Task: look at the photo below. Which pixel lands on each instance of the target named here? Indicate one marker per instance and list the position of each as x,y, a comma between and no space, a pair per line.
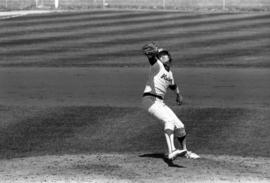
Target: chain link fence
138,4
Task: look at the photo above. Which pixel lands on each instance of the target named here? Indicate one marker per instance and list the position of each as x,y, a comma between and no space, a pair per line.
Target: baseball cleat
191,155
175,153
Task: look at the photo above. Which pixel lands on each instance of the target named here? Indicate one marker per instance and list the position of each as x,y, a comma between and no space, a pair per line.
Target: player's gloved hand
150,49
179,99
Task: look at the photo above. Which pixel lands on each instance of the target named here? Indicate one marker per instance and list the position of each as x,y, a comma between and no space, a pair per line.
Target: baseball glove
150,49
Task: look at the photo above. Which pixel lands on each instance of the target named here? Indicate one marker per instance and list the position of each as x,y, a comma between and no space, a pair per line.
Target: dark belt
153,95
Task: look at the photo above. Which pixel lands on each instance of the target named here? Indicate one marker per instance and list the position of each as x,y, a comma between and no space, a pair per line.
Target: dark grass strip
77,18
229,54
219,41
51,16
172,22
75,36
183,60
89,22
196,43
216,41
78,24
75,129
121,20
94,16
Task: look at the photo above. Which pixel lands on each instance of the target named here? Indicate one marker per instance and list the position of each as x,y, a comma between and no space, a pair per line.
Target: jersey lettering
158,80
164,76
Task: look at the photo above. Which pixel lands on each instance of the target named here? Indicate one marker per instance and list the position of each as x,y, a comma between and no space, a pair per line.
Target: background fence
160,4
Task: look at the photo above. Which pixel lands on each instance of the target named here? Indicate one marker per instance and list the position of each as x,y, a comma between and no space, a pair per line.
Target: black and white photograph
134,91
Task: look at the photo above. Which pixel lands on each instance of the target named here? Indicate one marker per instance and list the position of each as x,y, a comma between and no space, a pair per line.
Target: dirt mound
136,167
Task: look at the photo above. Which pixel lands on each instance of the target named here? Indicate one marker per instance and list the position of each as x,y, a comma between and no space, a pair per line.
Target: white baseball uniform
159,80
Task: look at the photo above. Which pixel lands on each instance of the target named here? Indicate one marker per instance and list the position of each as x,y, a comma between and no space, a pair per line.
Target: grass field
71,86
114,38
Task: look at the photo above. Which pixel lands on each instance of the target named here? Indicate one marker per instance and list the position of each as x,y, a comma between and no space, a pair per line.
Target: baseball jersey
159,79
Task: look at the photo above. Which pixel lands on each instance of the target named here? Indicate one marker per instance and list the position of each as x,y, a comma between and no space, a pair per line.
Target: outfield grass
113,38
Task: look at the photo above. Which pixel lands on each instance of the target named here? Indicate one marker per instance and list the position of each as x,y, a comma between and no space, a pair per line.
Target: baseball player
160,78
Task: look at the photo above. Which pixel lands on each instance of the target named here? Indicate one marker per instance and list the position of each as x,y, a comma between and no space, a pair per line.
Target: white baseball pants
162,112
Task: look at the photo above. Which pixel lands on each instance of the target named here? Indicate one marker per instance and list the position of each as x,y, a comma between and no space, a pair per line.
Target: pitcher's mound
137,167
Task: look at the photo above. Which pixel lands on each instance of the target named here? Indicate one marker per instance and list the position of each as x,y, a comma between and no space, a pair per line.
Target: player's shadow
162,156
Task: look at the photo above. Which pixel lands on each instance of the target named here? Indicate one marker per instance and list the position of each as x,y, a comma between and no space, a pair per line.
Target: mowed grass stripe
201,54
191,34
131,29
74,19
228,58
187,59
222,40
187,41
187,38
72,25
191,54
110,22
183,42
231,50
258,59
57,16
212,45
150,19
247,58
60,17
